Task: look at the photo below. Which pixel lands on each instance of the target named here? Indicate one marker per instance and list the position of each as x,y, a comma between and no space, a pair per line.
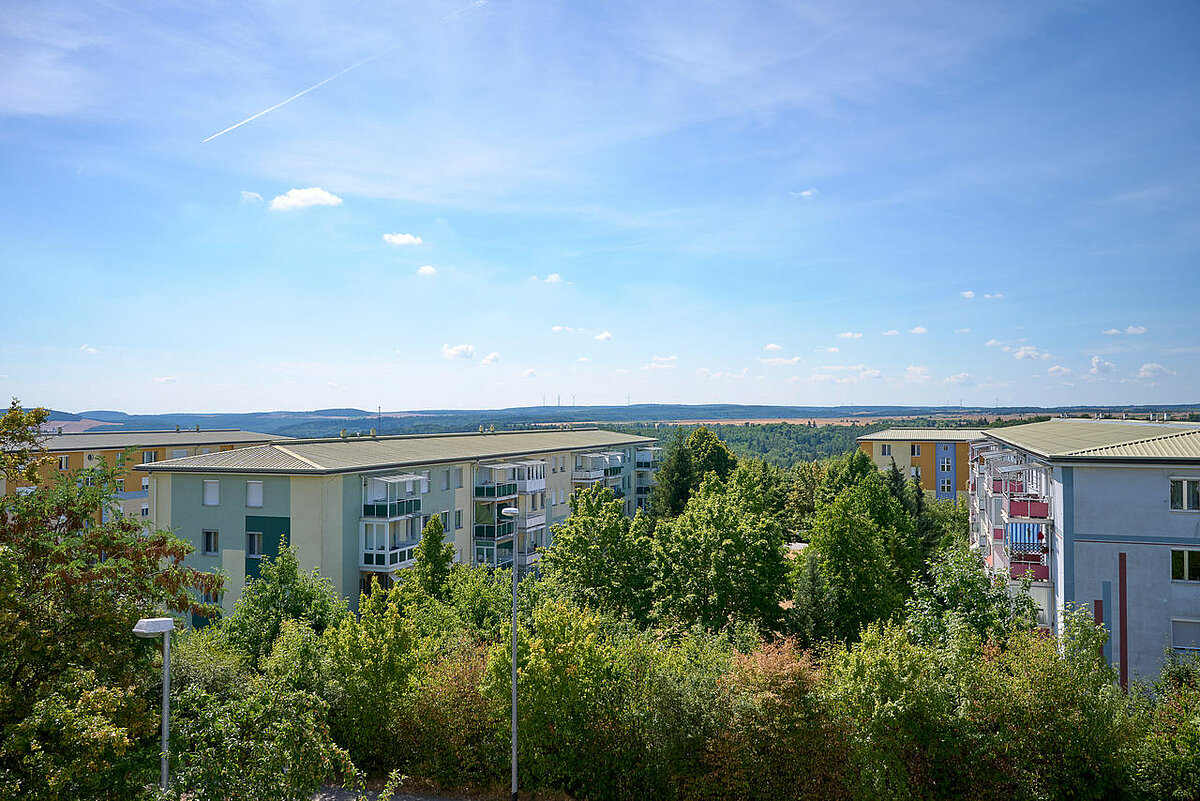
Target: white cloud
959,379
658,366
670,358
622,371
403,239
826,350
303,198
918,373
552,278
779,361
1132,330
1100,366
1058,370
427,269
251,197
1029,352
603,336
844,367
463,351
491,358
530,373
861,373
962,330
918,329
850,335
166,379
1154,370
994,296
772,346
968,294
707,373
86,348
891,332
993,343
805,193
582,359
823,378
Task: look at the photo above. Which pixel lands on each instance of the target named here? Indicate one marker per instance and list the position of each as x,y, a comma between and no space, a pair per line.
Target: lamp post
152,627
511,512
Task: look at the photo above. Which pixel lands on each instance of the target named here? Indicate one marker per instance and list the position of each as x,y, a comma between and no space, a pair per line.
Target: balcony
494,531
533,520
587,476
496,491
391,510
643,491
1030,507
529,486
384,561
612,471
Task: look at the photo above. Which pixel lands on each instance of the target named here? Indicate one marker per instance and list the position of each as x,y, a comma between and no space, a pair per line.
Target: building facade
71,452
1102,516
355,507
938,457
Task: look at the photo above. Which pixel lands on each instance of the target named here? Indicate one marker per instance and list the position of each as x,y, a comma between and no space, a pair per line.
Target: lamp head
510,511
154,626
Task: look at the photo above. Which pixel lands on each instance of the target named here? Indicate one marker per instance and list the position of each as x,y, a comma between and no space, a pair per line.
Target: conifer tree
433,559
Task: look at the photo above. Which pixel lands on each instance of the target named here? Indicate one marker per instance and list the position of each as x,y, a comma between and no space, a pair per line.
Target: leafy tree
721,561
433,560
21,452
847,471
599,559
77,717
673,481
710,454
804,481
482,599
282,592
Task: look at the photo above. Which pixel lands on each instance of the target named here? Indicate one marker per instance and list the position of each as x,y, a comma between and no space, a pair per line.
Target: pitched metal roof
355,454
923,435
1104,439
119,440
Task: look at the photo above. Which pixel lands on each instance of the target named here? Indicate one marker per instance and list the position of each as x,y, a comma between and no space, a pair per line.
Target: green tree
721,561
21,452
600,559
282,592
674,480
710,455
77,715
803,483
847,471
431,569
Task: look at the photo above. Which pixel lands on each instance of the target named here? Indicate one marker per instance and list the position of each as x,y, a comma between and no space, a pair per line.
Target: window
1185,635
145,510
885,449
458,478
944,465
212,542
446,521
145,483
210,598
915,471
1185,565
457,519
947,486
64,463
205,451
254,494
254,544
179,453
212,493
915,449
1185,494
148,456
446,479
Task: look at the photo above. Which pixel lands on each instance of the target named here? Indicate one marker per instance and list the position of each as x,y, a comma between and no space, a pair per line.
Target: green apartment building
354,507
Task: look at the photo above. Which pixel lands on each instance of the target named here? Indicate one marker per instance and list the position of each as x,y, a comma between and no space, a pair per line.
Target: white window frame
458,478
204,542
1185,481
885,449
914,449
915,471
945,464
148,456
145,483
947,485
254,538
145,510
204,495
259,485
179,453
64,462
1176,646
458,521
1187,559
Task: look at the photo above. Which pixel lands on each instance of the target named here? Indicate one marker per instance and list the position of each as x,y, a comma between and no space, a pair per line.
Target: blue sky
745,202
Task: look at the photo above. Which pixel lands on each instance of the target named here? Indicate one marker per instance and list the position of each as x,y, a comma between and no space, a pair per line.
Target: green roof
355,454
924,435
1104,440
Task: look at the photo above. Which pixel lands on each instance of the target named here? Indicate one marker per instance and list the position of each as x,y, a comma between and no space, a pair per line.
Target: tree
282,592
844,472
434,558
720,562
710,454
804,482
77,715
673,481
599,559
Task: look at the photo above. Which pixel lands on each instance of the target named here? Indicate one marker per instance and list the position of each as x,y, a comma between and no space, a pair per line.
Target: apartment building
70,452
1100,515
938,457
355,507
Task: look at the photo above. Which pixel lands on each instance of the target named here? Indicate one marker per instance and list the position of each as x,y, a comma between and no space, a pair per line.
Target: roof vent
197,428
343,434
373,432
176,428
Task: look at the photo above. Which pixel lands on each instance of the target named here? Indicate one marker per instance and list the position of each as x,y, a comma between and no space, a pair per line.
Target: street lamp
152,627
511,512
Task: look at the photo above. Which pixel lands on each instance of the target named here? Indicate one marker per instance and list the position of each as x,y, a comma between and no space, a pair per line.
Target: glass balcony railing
385,509
391,558
612,471
492,531
501,490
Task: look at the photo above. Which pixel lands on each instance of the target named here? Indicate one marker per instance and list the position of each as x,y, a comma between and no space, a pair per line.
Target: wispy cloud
463,351
670,358
994,295
88,349
1058,371
304,198
917,373
960,380
582,359
491,358
850,335
1133,330
166,379
772,346
729,374
918,329
251,197
603,336
552,278
1029,352
1154,370
962,330
993,343
891,332
564,329
830,349
530,373
779,361
968,294
1100,366
658,366
427,269
805,193
403,239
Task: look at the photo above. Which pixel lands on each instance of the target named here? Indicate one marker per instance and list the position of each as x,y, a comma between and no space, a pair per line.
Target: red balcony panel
998,533
1036,572
1029,508
1039,509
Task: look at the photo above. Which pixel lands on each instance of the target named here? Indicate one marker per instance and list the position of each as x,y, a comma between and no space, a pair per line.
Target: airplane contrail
319,84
